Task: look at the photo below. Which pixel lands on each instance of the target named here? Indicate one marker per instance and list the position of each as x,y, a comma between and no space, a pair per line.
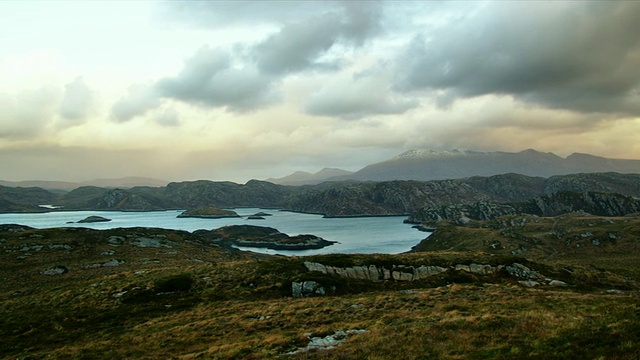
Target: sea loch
362,235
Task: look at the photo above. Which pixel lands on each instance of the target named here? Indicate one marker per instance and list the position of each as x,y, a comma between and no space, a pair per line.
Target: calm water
355,235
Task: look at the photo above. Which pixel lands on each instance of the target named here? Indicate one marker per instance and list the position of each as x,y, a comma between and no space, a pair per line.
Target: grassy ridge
172,296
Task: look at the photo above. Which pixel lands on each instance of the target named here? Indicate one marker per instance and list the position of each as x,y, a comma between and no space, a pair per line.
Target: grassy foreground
172,296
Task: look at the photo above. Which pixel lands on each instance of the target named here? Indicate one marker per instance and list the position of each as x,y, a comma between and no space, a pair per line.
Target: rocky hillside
409,197
329,198
227,194
383,198
604,241
18,199
558,203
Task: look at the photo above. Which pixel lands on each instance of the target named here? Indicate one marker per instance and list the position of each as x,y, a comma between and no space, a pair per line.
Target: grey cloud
248,79
210,79
77,102
138,100
580,56
298,45
358,97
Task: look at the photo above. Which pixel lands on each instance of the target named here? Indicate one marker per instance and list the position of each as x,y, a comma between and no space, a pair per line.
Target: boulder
306,288
56,270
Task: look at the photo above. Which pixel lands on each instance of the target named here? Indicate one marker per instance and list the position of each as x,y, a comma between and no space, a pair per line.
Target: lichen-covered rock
307,288
480,269
520,271
56,270
110,263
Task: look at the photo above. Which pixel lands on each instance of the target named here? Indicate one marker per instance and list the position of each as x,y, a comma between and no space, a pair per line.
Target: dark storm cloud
209,78
77,103
582,56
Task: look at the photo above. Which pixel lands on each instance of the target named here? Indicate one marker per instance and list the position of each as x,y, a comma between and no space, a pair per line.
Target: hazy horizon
177,90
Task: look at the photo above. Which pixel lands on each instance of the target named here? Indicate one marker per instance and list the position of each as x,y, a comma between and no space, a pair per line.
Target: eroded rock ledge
412,273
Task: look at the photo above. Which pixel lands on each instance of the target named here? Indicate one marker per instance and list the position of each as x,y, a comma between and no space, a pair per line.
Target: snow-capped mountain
425,165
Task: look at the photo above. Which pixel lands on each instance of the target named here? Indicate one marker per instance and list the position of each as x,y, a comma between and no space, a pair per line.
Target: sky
186,90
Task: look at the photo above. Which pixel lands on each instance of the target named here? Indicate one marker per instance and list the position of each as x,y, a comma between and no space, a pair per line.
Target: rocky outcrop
306,289
508,188
377,273
595,203
525,275
110,263
327,342
461,214
56,270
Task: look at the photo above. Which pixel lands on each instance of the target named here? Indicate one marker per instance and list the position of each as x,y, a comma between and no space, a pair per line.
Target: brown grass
231,305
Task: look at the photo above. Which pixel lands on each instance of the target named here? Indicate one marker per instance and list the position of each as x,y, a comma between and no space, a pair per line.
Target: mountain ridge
306,178
426,165
123,182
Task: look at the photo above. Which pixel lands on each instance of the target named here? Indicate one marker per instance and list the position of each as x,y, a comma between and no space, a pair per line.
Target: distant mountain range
426,165
611,194
306,178
125,182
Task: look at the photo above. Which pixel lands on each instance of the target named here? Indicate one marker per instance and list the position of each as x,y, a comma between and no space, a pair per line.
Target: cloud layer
268,87
575,56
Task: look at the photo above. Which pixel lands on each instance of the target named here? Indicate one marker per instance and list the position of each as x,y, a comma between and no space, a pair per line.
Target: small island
261,214
208,212
93,219
262,237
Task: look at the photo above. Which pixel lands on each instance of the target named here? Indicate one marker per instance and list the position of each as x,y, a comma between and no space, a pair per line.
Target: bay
358,235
